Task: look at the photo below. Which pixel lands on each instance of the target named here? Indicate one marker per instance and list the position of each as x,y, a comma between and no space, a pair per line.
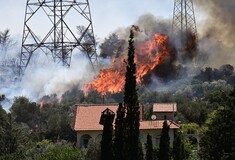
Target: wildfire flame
41,104
148,55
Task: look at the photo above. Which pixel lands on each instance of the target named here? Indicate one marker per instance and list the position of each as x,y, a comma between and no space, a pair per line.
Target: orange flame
148,55
41,104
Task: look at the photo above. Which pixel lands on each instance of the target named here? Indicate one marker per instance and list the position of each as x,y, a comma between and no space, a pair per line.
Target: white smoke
51,78
45,77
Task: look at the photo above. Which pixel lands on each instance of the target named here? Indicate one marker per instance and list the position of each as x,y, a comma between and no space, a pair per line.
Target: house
165,110
87,118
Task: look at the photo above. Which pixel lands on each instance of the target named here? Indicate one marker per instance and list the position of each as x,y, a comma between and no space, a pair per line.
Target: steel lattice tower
49,26
184,20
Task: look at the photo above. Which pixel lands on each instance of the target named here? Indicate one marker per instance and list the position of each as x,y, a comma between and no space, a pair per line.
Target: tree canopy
218,134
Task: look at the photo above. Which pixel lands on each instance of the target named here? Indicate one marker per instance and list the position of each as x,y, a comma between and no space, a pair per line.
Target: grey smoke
220,21
215,23
149,25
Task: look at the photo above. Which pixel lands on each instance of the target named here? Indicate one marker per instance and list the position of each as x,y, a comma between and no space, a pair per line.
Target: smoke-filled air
215,30
160,65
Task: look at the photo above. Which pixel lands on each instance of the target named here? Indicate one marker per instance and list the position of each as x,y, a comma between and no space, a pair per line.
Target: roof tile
164,107
87,118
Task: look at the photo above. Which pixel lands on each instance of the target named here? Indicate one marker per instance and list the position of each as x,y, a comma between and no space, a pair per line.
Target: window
85,140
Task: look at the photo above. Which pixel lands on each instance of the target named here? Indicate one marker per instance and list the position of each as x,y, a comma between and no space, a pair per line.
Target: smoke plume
220,22
49,78
149,25
216,40
44,77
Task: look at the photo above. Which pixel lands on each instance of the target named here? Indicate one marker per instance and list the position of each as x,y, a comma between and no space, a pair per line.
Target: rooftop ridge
166,103
106,104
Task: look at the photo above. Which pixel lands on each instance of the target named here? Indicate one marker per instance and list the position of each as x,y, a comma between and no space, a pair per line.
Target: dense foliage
178,151
218,135
27,123
45,150
112,46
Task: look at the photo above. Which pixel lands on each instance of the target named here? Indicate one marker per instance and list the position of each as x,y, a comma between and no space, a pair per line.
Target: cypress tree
119,135
164,152
149,148
106,143
140,152
132,105
178,152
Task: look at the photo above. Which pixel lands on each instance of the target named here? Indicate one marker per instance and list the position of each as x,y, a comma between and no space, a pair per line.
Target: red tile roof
164,107
87,118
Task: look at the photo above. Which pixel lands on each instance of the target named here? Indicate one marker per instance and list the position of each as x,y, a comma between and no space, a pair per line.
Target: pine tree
106,143
132,105
164,152
119,135
149,148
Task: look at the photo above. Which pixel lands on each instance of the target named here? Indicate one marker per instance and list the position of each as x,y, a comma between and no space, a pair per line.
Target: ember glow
148,55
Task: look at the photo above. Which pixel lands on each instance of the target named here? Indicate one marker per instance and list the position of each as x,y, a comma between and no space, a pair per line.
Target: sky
107,15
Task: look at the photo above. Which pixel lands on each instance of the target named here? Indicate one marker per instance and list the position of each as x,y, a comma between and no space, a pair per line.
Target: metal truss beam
60,40
184,19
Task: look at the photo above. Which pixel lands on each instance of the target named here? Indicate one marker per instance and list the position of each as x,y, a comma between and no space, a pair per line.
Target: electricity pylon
184,24
56,28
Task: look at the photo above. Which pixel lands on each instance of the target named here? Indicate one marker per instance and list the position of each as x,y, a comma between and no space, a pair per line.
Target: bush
45,150
59,152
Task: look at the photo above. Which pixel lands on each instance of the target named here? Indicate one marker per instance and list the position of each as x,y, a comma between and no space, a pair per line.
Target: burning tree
155,56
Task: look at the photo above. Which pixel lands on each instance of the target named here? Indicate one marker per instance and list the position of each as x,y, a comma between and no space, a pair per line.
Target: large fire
148,55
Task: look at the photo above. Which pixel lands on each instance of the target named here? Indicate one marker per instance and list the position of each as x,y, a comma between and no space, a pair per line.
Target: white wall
156,134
